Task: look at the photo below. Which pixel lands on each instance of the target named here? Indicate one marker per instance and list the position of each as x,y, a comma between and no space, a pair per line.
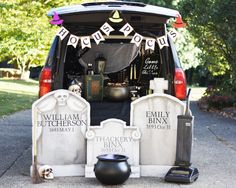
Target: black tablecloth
104,110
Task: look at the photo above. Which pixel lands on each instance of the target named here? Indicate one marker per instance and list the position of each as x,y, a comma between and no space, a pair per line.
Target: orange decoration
179,23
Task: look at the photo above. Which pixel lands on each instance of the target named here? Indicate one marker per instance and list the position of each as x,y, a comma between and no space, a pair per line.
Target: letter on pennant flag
150,44
162,41
106,28
173,34
85,42
137,39
62,33
97,36
126,29
73,40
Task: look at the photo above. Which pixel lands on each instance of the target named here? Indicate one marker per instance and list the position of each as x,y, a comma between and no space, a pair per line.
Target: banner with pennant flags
73,40
98,37
62,33
150,44
162,41
85,42
106,28
126,29
173,34
137,39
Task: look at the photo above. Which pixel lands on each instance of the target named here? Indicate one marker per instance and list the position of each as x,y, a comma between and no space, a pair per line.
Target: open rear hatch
127,68
86,18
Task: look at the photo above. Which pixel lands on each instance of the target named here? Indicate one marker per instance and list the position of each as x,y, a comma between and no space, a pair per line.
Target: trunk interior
113,73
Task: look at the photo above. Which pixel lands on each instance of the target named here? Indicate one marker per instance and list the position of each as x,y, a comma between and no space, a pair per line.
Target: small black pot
116,93
112,169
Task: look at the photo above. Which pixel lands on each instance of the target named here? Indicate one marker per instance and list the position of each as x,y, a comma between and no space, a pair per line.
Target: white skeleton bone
61,97
76,88
46,172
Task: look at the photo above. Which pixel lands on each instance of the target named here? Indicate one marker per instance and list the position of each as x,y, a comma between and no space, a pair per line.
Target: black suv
115,71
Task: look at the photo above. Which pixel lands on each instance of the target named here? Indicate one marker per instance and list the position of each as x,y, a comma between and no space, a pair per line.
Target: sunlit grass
16,95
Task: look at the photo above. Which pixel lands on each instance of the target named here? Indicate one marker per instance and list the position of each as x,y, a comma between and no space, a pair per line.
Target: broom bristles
36,179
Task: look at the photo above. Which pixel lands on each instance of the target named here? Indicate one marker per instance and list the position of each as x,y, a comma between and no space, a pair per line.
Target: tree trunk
24,68
25,75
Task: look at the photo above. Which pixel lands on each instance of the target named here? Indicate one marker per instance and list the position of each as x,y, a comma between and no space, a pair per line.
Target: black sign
150,68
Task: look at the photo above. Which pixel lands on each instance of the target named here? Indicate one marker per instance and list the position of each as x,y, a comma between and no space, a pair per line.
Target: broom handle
34,135
187,102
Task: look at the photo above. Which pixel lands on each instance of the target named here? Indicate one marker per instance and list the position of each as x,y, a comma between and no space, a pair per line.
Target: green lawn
16,95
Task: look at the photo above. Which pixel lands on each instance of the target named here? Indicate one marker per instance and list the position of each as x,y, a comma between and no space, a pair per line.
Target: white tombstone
158,85
60,120
113,137
156,117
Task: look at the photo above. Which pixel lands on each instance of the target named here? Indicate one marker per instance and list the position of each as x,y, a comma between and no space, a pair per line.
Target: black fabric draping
118,56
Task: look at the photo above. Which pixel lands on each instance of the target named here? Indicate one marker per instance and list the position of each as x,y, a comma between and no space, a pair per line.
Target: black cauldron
112,169
116,93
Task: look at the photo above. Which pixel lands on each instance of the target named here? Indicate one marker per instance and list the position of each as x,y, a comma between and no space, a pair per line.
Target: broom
36,179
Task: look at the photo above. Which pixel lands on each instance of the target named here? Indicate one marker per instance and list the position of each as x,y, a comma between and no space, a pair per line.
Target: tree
186,48
166,3
212,24
26,34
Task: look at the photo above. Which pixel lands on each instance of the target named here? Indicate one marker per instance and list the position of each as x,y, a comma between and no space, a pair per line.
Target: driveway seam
13,163
222,140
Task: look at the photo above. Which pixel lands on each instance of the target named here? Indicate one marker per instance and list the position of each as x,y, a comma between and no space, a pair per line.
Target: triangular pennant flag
62,33
106,28
173,34
85,42
150,44
97,36
162,41
126,29
137,39
73,40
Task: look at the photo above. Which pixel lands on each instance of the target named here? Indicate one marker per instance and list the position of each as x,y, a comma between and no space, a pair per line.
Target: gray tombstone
156,117
113,137
60,121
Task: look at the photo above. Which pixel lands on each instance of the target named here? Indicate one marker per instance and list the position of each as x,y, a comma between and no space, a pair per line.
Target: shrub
218,99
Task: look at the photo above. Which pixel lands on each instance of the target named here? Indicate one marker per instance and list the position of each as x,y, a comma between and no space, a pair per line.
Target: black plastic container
112,169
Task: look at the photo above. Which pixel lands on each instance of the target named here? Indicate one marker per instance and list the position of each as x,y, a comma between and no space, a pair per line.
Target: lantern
100,63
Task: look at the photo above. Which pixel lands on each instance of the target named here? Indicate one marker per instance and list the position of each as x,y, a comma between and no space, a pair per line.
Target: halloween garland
106,28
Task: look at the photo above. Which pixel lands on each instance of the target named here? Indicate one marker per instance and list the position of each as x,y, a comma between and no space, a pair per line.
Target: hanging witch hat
56,19
179,22
116,17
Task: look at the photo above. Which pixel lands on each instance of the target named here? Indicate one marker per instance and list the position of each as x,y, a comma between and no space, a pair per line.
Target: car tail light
45,81
180,84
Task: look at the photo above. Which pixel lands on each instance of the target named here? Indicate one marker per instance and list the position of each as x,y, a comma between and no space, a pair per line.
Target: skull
46,172
76,88
61,97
